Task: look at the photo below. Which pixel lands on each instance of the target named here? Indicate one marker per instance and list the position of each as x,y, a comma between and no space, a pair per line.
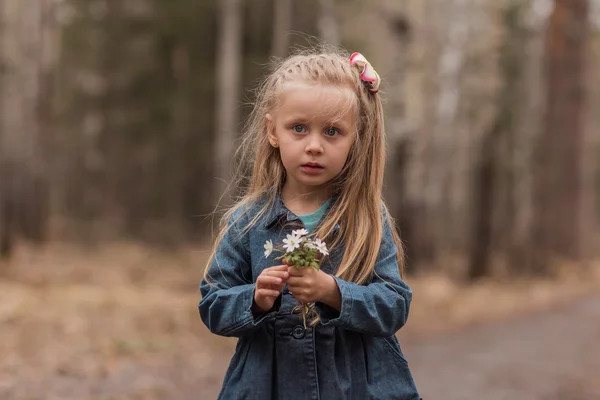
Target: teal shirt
311,220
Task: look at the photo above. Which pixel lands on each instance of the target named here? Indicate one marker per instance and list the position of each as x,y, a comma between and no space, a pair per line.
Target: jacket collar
277,211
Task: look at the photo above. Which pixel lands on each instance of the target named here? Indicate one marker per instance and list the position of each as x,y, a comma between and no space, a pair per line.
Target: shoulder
238,216
246,215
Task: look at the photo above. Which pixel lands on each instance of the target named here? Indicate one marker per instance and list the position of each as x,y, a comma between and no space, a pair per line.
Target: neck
304,201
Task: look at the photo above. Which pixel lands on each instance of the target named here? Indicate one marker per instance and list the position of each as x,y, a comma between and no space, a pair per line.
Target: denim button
298,332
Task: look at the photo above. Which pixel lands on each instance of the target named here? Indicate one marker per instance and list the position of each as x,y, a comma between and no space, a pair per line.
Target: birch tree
327,23
282,25
228,89
445,130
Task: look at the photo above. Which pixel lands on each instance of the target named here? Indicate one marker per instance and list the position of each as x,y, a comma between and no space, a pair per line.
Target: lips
312,165
312,168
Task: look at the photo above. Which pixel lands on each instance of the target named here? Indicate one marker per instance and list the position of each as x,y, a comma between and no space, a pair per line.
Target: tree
282,25
23,179
489,184
327,23
228,93
564,205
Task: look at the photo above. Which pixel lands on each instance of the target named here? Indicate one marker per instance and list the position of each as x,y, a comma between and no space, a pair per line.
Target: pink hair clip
368,74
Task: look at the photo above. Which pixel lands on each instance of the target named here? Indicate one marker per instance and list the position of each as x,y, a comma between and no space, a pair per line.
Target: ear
271,130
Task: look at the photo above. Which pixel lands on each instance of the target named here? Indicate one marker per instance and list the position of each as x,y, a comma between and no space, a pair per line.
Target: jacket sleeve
228,288
379,308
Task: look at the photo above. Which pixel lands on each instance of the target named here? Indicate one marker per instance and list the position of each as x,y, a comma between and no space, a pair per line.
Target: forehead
317,101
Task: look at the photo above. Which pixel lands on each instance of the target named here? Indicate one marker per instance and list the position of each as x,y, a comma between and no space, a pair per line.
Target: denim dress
352,354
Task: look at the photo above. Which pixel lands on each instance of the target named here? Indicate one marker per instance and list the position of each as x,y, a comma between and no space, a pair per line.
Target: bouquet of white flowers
300,251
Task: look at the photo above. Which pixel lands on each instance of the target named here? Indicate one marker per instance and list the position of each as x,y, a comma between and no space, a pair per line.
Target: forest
119,122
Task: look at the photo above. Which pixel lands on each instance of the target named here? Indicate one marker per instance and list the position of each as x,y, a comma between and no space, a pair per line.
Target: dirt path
117,324
549,355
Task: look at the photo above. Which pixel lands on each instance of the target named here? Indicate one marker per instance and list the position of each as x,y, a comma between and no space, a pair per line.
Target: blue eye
332,132
298,128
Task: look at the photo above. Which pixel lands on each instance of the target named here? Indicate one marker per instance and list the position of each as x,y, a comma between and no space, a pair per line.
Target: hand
309,285
269,286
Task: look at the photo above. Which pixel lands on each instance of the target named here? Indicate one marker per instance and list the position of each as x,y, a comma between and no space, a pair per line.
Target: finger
298,294
277,268
294,281
280,285
277,287
264,280
298,297
282,276
278,274
267,293
295,272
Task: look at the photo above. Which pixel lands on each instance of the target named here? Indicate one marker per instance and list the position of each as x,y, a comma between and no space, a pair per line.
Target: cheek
286,155
344,153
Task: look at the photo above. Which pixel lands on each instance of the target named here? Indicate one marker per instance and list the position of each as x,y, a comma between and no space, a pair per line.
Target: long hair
357,211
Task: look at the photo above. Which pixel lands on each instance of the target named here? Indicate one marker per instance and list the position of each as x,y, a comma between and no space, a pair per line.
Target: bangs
345,101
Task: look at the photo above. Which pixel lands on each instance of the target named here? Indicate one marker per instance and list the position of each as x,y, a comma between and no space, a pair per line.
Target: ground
120,322
549,355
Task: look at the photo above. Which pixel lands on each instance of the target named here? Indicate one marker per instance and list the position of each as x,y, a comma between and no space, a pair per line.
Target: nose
314,145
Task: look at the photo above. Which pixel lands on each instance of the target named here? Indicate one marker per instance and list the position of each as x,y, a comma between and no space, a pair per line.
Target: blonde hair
357,211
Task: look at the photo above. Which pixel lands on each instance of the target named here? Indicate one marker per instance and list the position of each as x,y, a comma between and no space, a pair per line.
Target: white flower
320,245
268,248
308,244
292,242
300,232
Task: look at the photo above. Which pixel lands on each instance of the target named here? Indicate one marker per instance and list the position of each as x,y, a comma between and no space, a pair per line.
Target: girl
316,143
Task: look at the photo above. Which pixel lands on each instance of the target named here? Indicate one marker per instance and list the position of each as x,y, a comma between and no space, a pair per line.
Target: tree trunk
525,136
484,188
561,207
417,225
23,180
446,129
488,184
327,24
398,31
282,25
228,93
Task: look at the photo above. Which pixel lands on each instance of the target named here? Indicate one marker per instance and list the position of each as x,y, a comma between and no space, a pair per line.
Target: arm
228,289
379,308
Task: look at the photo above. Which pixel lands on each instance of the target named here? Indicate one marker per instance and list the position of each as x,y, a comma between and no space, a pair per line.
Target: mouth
312,167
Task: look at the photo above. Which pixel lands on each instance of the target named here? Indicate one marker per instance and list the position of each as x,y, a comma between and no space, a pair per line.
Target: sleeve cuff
330,316
257,318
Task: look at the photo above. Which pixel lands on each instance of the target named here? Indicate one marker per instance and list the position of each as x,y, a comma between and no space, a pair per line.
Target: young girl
316,143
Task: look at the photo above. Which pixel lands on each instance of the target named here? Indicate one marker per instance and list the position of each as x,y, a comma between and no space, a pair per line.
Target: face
314,127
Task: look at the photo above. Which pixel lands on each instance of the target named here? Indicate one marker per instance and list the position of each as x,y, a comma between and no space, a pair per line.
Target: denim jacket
352,354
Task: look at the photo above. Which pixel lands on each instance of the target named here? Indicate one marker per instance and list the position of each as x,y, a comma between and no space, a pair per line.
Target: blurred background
118,126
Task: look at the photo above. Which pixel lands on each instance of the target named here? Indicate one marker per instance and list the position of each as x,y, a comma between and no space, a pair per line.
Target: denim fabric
352,354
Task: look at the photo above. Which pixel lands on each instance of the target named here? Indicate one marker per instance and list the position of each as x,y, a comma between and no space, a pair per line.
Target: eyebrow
305,119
